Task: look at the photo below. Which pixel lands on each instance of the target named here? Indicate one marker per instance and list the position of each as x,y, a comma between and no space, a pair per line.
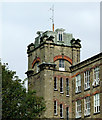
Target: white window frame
55,83
61,85
55,107
61,110
60,36
78,83
86,80
96,79
78,109
87,106
62,65
67,87
96,103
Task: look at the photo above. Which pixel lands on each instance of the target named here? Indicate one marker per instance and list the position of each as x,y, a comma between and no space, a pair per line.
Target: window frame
55,107
96,79
61,85
61,64
86,80
78,84
67,113
97,103
78,106
61,110
55,83
60,36
87,106
67,87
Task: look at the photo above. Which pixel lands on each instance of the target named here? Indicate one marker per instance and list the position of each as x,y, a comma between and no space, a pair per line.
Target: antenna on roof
52,18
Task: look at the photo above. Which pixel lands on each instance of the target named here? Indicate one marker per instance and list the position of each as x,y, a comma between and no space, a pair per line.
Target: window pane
78,108
78,83
55,107
96,76
67,113
96,103
61,63
59,37
61,84
87,79
67,86
55,83
61,110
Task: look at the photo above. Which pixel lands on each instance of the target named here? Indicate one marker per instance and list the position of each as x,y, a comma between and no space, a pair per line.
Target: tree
16,102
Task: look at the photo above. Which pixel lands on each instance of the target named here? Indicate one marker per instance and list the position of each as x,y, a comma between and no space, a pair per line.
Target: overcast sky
21,21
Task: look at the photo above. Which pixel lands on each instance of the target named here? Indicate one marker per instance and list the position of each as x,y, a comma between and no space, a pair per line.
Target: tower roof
60,37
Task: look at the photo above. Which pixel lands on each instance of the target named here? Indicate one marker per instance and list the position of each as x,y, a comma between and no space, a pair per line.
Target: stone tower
49,60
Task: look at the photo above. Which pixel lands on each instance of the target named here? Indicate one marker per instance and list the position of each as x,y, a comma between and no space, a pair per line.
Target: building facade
87,87
70,88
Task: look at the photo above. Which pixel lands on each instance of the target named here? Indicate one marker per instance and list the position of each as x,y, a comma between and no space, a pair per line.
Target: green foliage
16,102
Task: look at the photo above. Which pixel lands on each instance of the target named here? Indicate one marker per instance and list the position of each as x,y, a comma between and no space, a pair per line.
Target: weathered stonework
80,68
43,67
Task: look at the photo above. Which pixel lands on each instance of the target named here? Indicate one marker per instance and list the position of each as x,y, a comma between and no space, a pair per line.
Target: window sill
87,115
78,118
67,95
86,89
56,114
60,41
77,92
61,69
96,86
61,117
96,113
62,92
55,89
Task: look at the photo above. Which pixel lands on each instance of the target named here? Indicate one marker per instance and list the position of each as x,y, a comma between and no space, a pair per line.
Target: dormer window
60,36
60,33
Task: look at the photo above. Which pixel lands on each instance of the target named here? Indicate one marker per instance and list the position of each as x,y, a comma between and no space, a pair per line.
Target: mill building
71,89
